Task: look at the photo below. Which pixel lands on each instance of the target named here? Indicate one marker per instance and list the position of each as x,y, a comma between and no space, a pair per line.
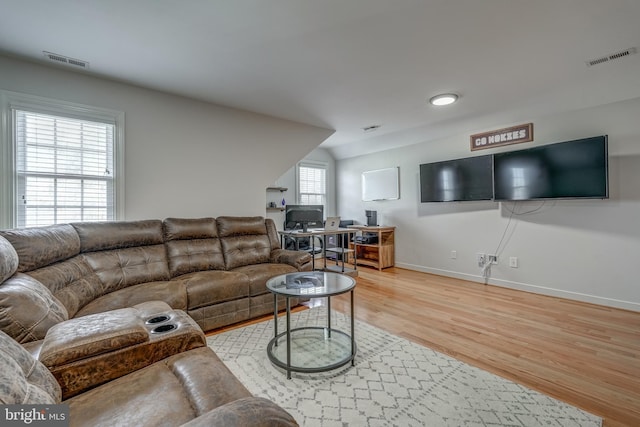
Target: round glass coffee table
310,348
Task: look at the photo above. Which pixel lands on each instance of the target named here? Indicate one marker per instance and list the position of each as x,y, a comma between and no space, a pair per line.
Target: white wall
182,157
581,249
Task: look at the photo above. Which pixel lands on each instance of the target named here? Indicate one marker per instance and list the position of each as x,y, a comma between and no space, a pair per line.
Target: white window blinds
64,169
312,184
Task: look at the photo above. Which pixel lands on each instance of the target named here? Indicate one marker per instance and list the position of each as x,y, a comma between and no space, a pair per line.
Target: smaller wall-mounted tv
457,180
565,170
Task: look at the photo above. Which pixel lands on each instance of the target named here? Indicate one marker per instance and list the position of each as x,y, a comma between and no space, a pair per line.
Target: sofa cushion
192,245
258,274
28,309
8,259
101,236
245,250
120,268
241,226
170,392
213,287
173,293
244,241
38,247
22,378
189,228
72,282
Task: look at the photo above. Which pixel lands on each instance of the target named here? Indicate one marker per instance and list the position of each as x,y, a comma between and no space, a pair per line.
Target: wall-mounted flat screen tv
565,170
457,180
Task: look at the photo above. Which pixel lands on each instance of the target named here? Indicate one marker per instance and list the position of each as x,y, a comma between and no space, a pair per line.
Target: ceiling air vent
61,59
617,55
371,128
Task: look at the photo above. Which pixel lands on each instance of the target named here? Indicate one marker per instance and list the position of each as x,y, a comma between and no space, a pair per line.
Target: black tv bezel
473,158
315,224
605,141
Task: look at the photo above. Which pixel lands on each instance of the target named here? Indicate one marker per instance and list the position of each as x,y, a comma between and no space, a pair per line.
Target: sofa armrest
89,336
250,411
88,351
298,259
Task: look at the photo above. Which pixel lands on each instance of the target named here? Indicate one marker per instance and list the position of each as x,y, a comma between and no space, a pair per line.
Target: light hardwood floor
583,354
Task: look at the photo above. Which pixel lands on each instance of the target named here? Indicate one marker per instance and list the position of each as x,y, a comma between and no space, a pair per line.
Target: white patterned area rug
394,383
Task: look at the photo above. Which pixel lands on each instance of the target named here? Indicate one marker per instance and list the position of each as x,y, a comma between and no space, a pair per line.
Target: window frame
10,101
316,165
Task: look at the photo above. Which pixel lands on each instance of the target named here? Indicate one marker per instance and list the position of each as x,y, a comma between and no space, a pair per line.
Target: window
312,184
64,163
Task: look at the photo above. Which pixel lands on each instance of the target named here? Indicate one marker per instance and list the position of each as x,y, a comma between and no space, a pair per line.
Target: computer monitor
304,216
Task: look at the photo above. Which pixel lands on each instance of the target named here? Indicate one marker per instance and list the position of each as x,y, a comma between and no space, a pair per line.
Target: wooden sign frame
500,137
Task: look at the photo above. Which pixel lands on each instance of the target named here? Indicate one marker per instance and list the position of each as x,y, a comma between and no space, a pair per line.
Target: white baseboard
543,290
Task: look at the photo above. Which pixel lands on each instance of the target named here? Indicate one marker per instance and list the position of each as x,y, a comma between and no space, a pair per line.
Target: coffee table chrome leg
275,318
329,317
288,338
353,335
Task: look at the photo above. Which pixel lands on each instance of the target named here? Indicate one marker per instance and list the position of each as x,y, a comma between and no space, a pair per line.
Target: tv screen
456,180
565,170
304,216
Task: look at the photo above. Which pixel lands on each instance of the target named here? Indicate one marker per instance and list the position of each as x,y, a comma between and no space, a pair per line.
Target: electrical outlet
481,258
513,262
454,254
492,258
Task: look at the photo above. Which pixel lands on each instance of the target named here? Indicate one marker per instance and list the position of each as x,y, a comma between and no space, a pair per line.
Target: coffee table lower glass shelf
313,349
310,348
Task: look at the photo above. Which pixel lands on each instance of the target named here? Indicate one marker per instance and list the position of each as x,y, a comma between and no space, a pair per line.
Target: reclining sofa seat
193,388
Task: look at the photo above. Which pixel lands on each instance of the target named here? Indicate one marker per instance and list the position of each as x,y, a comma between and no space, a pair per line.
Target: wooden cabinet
380,254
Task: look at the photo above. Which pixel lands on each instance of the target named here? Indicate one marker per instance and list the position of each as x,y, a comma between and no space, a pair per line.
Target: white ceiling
348,64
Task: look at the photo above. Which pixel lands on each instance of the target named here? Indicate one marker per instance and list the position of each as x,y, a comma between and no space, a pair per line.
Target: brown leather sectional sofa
116,310
214,269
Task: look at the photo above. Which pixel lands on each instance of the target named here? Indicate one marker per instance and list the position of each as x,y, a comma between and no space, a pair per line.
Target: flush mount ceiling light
444,99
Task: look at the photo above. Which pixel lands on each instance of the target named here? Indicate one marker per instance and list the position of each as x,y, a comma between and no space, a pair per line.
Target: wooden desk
378,255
